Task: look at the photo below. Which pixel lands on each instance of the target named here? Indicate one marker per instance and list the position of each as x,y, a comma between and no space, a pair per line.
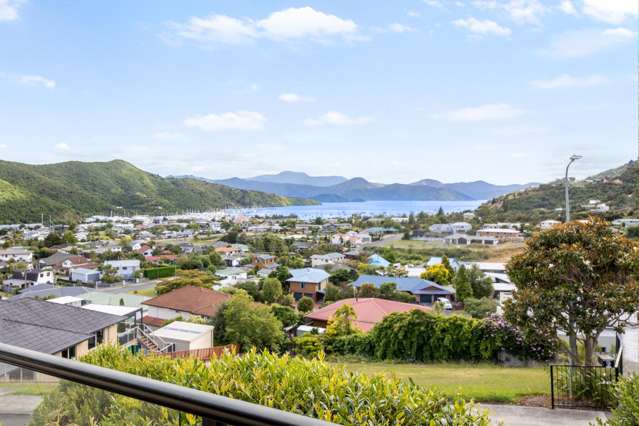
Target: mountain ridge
66,191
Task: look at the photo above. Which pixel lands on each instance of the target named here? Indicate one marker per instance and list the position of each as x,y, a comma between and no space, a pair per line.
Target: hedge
159,272
627,411
309,387
425,337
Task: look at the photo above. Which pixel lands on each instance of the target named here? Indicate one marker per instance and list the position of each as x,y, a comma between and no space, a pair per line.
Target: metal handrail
213,408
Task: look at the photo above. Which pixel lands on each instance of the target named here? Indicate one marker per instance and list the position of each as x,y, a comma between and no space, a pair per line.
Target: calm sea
366,208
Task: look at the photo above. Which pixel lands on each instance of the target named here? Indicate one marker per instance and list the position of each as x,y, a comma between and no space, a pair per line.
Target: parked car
445,303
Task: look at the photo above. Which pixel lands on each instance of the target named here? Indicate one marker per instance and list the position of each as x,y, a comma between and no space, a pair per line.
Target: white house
84,275
16,254
441,228
124,268
548,224
626,222
231,276
326,259
186,336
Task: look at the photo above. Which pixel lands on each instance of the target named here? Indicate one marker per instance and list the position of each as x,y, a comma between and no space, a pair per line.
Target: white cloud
485,27
36,80
287,24
488,112
62,147
240,120
569,81
400,28
434,3
568,7
3,146
292,98
574,44
9,10
413,14
520,11
334,118
168,136
611,11
295,23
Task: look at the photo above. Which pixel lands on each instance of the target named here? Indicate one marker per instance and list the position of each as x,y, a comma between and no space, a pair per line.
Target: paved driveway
15,410
515,415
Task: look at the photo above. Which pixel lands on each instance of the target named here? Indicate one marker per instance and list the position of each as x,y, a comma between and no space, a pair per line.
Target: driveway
15,410
516,415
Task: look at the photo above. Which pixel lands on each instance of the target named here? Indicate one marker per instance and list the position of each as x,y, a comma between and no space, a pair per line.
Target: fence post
552,388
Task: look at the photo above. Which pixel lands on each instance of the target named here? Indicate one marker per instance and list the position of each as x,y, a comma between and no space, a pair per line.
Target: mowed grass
31,389
481,382
149,292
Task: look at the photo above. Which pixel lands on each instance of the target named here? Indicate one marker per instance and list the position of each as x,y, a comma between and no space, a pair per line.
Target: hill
73,189
616,187
300,178
359,189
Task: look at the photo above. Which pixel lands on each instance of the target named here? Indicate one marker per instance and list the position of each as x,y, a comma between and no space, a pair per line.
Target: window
92,342
99,337
68,353
301,285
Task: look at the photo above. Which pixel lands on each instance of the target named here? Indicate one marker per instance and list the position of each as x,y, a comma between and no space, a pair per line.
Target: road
118,288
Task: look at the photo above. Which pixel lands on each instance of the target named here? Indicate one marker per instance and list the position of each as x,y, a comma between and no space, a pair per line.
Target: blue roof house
425,292
377,260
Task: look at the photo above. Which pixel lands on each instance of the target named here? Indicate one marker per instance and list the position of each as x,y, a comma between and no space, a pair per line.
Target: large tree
576,278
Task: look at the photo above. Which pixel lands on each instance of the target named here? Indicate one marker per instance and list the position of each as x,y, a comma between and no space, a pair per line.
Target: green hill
74,189
617,187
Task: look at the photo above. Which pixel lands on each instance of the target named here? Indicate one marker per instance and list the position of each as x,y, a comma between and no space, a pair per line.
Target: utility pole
573,158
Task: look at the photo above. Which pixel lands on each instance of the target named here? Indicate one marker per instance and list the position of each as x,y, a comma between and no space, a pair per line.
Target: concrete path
516,415
16,410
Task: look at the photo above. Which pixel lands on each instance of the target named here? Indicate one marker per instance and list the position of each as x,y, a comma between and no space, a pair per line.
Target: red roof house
368,311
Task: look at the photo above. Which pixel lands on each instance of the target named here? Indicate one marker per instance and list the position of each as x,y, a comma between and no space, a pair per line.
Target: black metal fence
575,386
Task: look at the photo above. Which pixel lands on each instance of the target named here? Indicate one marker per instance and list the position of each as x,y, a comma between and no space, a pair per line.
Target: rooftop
191,299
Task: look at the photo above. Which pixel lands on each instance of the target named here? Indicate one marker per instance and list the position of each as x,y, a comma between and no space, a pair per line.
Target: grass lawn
499,253
149,292
481,382
28,388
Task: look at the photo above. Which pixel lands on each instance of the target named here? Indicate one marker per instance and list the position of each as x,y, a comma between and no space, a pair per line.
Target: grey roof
52,315
38,338
308,275
55,258
47,290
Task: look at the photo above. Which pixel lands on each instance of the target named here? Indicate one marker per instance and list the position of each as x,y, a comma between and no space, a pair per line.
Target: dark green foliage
309,387
633,232
353,344
160,272
481,284
627,397
287,315
342,276
480,308
68,191
461,282
305,304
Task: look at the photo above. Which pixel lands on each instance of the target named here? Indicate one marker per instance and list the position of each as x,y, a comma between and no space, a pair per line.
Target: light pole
573,158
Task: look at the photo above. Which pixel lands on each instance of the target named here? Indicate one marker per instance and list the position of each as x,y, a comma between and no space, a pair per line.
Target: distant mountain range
341,189
617,187
67,191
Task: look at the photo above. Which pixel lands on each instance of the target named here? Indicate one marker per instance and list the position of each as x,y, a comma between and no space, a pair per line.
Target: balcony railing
213,409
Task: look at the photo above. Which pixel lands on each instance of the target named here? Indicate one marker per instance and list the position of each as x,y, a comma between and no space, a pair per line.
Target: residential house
16,254
378,261
368,312
62,262
125,269
66,331
326,259
626,222
85,275
437,260
47,291
183,302
630,342
502,234
186,336
464,239
425,292
231,276
309,282
263,260
548,224
145,250
24,279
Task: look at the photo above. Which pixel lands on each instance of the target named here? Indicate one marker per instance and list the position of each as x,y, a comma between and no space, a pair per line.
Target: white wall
631,349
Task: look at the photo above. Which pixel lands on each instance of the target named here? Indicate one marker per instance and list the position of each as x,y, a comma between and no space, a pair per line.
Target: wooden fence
202,354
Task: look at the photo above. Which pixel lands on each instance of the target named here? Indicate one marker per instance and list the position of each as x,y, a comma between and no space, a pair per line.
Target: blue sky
500,90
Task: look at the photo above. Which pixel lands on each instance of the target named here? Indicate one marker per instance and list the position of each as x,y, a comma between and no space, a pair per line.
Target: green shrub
308,345
352,344
308,387
159,272
480,308
627,411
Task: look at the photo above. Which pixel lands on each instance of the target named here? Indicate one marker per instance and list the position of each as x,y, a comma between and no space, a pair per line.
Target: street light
573,158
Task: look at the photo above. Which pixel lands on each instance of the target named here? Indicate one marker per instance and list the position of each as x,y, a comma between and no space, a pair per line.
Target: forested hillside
73,189
617,187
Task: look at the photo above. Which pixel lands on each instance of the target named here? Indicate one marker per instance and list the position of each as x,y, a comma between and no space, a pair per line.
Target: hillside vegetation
617,188
67,191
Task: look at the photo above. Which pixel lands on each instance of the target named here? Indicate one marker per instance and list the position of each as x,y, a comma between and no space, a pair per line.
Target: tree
53,239
480,308
447,265
331,293
461,282
340,324
633,232
368,290
387,290
251,288
251,324
287,315
185,278
577,278
305,305
481,284
271,290
69,237
342,276
437,273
